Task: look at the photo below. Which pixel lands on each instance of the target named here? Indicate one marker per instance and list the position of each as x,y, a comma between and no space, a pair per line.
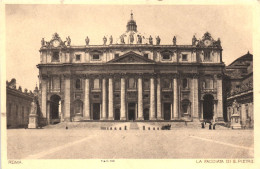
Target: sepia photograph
129,81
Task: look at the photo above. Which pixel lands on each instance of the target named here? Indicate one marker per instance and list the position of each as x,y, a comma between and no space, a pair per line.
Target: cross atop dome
131,24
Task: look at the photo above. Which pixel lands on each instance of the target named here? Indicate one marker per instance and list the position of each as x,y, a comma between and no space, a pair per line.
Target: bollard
125,128
143,127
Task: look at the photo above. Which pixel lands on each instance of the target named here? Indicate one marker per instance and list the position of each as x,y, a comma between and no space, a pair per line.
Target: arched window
96,84
131,83
185,83
78,86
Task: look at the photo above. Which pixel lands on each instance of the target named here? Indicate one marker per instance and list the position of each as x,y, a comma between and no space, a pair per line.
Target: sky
26,25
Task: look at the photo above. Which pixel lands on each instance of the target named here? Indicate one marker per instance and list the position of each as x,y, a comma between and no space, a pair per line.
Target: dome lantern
131,24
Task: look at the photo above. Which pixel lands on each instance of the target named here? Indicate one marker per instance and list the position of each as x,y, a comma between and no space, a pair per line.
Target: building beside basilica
239,87
133,78
18,105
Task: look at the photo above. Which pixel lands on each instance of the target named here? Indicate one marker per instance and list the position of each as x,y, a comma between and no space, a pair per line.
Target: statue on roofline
104,40
111,40
158,40
150,40
174,40
68,40
87,40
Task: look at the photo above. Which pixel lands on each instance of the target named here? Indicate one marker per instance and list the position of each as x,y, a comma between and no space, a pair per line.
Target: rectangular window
207,56
166,57
96,84
77,57
96,57
184,57
146,55
55,57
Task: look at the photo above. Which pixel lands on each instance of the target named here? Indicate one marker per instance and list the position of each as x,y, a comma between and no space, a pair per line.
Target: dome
132,36
131,24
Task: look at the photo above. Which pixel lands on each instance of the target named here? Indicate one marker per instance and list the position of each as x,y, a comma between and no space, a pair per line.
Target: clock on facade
55,43
207,42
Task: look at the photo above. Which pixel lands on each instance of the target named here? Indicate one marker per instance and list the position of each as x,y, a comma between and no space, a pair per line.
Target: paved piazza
53,143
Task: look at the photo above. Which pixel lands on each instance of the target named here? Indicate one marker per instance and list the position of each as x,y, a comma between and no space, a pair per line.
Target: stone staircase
131,125
134,126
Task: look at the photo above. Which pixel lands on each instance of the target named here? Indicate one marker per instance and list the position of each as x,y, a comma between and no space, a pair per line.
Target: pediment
131,57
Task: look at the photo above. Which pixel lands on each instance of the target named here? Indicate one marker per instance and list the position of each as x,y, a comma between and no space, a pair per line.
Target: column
175,100
215,116
152,99
201,110
48,112
67,98
104,99
220,100
122,100
87,101
110,99
159,102
44,98
140,99
195,99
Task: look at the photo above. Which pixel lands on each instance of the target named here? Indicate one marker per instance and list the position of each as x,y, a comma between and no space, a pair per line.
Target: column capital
67,75
44,76
219,76
176,76
196,75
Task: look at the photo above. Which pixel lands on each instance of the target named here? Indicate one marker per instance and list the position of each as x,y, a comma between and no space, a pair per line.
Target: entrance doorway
55,109
167,111
117,114
96,111
208,106
131,111
146,114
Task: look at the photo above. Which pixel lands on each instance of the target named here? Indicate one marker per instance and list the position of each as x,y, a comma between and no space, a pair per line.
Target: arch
146,114
55,108
208,107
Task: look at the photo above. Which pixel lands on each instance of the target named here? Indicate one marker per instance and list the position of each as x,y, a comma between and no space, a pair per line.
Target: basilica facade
132,77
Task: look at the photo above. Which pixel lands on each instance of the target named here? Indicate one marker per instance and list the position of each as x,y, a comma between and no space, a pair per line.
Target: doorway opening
167,111
117,114
55,109
146,114
131,111
96,111
208,106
